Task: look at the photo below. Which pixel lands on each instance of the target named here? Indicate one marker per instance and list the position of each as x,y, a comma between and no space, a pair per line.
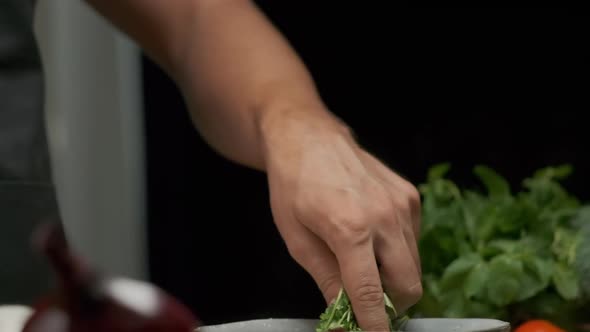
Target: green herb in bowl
339,315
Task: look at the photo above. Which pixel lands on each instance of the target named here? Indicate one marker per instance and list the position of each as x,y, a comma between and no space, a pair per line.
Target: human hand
345,217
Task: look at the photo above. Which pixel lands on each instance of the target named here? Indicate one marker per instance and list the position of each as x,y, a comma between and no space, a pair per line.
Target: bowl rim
500,326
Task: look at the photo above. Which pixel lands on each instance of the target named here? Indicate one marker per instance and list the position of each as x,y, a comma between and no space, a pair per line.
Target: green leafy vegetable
566,282
497,186
582,261
501,253
339,315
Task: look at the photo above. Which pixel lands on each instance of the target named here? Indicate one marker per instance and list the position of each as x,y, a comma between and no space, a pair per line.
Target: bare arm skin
339,209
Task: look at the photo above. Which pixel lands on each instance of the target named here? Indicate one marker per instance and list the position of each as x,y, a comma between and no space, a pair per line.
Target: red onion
88,302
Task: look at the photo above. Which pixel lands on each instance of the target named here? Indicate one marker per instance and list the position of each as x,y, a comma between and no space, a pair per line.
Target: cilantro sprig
339,315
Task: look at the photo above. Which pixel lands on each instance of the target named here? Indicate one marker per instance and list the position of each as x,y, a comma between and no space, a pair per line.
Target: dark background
506,87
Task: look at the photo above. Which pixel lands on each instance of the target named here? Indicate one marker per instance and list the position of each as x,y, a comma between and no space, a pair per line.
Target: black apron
26,192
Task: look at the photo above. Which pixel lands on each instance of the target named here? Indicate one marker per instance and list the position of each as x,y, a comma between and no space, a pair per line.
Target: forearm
239,76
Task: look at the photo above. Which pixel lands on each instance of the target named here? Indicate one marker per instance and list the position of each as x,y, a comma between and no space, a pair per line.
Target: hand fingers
413,203
413,247
319,261
362,283
313,255
408,207
401,187
401,276
404,216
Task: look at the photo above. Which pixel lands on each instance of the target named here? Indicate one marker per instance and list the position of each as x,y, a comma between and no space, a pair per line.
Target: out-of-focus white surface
94,122
139,296
13,317
413,325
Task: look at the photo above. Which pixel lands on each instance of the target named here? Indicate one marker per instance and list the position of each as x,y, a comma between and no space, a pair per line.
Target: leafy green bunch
339,315
504,255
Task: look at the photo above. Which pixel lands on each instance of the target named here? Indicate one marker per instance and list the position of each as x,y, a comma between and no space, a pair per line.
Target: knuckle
417,291
302,206
298,251
414,293
415,208
330,284
414,196
402,209
383,209
354,232
350,227
406,297
380,207
369,295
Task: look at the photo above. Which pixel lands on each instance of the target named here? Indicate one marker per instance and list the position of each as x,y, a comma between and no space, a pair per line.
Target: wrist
285,130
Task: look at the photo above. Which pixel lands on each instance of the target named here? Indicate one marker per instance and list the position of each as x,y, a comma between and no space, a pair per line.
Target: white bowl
413,325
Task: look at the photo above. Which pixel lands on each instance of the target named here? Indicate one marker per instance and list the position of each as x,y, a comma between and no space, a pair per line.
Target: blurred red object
87,302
